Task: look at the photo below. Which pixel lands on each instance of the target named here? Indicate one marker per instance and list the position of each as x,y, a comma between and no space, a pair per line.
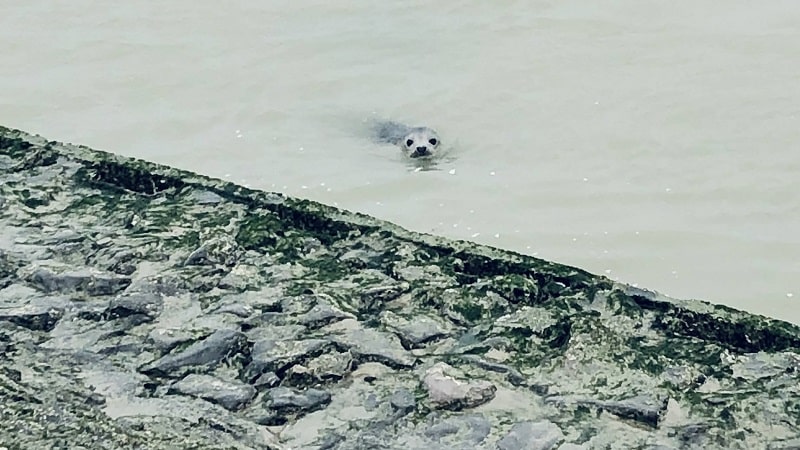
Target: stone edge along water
147,307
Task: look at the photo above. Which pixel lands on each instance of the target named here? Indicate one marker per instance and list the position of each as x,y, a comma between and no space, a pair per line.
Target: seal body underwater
416,142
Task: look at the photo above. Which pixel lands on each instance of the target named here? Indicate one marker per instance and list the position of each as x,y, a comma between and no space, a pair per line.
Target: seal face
421,141
416,142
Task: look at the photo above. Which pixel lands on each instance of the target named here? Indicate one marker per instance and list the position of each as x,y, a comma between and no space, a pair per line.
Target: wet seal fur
416,142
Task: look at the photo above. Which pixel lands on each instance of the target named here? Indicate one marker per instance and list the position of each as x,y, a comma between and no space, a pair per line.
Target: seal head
421,142
416,142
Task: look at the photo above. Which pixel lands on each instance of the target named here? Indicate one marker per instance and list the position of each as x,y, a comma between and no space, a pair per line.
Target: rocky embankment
146,307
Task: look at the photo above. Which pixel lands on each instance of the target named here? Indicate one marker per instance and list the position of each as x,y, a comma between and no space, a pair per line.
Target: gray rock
265,299
162,283
330,441
544,435
63,236
8,269
204,197
468,309
282,404
91,281
415,331
277,356
230,395
240,278
439,430
218,248
42,315
478,428
403,400
371,403
682,377
571,446
327,367
269,379
527,318
695,435
446,392
165,339
218,347
367,344
198,257
121,261
298,305
645,409
322,314
276,333
374,298
789,444
513,375
146,304
361,258
460,430
265,322
286,399
235,309
756,366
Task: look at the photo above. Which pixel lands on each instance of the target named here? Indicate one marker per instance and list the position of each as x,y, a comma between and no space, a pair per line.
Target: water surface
653,143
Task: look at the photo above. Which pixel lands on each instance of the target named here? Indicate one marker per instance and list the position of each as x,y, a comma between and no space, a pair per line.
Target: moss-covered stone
86,233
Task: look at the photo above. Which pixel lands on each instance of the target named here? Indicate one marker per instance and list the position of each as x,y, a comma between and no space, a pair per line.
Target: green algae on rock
146,307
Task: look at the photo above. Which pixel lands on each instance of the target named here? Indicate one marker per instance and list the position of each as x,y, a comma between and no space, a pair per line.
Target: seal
416,142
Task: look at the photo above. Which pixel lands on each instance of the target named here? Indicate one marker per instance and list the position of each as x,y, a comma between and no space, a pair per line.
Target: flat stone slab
270,355
282,404
417,331
447,392
542,435
67,280
207,353
42,316
148,304
228,394
368,344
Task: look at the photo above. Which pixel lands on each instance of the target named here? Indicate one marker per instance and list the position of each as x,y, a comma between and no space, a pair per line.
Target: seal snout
421,151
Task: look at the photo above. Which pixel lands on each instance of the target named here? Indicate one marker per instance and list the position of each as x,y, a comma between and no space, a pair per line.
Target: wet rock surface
205,354
230,395
445,391
146,304
367,344
146,307
543,435
403,400
282,404
270,355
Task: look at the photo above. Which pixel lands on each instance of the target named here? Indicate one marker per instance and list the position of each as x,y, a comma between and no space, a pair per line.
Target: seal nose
420,151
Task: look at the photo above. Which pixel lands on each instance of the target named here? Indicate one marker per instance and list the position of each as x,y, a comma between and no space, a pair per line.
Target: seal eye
409,142
433,141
